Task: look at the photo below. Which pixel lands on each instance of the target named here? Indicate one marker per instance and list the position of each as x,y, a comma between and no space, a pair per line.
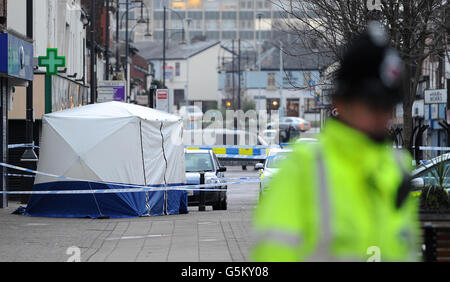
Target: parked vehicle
198,161
270,167
298,124
290,128
306,140
428,173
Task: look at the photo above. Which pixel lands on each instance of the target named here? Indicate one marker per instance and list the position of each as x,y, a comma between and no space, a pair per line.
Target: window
177,69
431,176
310,104
274,160
212,24
260,4
196,162
306,78
229,24
270,80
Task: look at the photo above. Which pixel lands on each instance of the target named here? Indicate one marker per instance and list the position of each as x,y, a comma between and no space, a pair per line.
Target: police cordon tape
15,146
218,179
137,187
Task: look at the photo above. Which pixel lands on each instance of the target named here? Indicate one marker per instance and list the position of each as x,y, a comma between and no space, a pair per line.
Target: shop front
16,69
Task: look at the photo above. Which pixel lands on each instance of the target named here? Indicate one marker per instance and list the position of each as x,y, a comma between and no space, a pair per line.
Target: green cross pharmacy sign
52,61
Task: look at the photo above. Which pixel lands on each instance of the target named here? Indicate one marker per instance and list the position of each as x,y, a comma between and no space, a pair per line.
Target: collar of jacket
351,143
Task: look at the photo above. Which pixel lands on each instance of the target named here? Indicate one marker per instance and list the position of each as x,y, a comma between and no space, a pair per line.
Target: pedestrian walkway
197,236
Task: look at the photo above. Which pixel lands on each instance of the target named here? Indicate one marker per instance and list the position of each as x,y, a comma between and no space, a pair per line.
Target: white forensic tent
110,142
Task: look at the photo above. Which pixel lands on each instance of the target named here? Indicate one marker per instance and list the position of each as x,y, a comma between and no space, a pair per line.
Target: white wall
16,18
203,75
57,25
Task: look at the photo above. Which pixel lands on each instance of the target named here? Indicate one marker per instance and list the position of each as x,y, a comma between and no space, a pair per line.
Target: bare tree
417,29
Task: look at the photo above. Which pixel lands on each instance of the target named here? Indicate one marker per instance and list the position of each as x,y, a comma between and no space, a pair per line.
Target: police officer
347,197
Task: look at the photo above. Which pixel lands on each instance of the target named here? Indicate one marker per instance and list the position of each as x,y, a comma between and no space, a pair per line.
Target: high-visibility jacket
337,201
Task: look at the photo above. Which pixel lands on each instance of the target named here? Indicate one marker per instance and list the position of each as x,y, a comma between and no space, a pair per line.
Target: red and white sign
162,100
162,96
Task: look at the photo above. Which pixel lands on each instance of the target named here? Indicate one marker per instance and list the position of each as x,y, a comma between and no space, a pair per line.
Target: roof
296,58
436,160
275,151
197,151
114,110
154,50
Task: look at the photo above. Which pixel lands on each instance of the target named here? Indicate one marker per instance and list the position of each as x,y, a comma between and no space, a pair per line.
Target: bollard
429,254
201,205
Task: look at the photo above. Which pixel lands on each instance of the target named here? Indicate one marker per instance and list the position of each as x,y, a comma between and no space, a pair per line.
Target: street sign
437,96
162,100
16,57
52,61
111,90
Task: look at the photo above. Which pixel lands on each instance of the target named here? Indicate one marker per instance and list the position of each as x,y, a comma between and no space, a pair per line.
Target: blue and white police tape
185,187
21,175
15,146
137,187
214,179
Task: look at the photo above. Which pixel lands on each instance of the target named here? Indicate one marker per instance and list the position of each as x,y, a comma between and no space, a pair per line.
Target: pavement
194,237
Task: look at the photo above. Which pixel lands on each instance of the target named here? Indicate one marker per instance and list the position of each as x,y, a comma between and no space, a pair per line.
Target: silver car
198,161
428,173
270,167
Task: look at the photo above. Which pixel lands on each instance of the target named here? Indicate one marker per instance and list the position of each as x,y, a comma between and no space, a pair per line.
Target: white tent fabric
112,142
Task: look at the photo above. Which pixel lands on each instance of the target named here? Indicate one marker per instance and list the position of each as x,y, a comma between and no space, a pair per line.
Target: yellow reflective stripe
220,151
246,152
289,239
193,148
323,249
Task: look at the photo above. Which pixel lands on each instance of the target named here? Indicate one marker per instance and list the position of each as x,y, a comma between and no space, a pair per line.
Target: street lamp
164,39
259,16
93,54
127,50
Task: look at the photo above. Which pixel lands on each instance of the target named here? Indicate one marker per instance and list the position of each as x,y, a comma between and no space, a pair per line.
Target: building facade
213,19
190,71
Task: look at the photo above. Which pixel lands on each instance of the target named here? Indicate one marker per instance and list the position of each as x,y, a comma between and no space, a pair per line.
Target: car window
430,175
216,160
196,162
273,161
288,120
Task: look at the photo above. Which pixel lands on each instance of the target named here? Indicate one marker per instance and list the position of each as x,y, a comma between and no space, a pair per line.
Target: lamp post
29,155
107,39
164,48
165,8
92,66
281,81
127,79
259,16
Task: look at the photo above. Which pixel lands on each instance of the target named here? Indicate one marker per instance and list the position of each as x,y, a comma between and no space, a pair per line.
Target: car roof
197,151
307,140
431,163
275,151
